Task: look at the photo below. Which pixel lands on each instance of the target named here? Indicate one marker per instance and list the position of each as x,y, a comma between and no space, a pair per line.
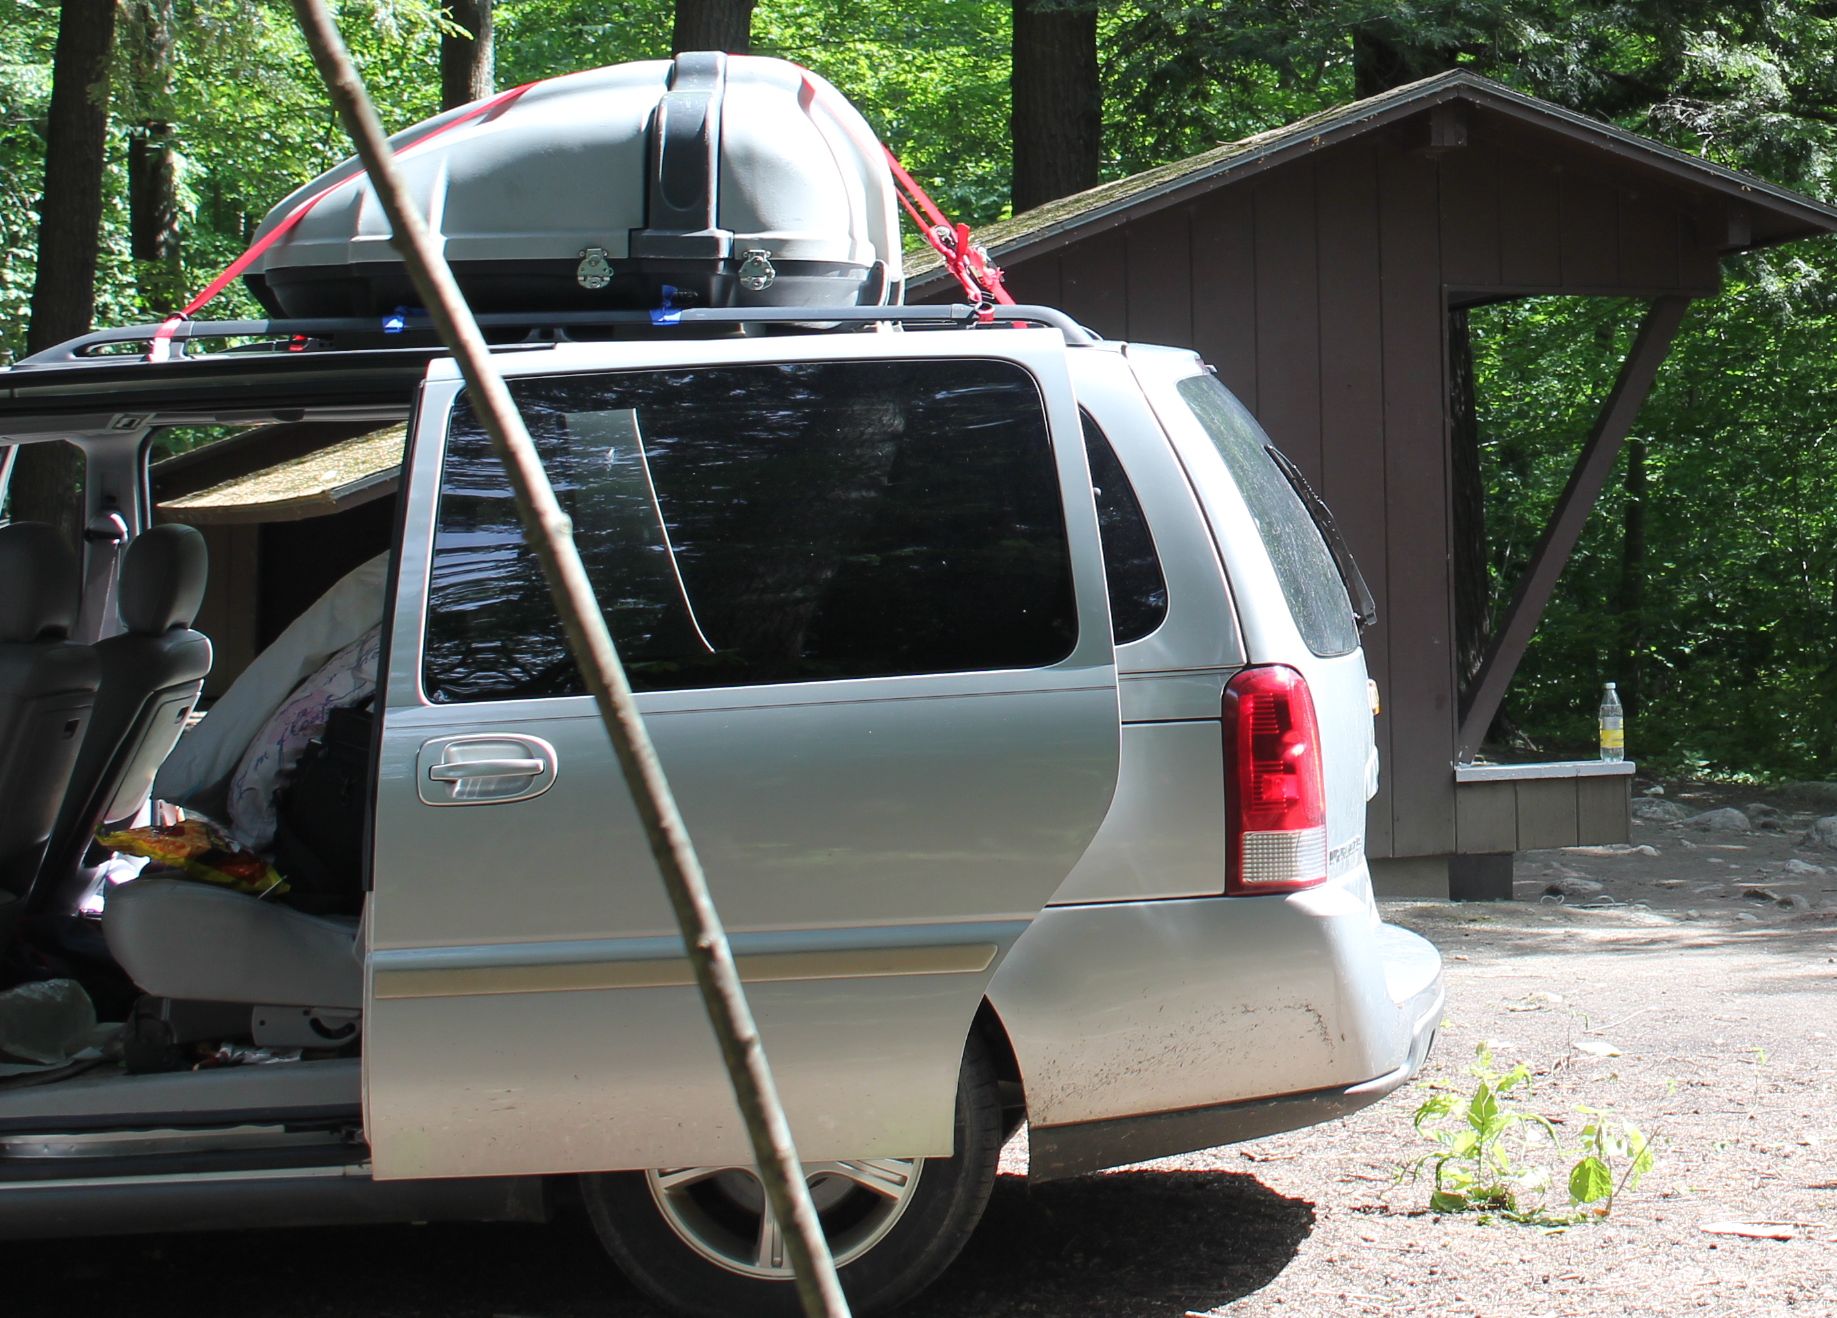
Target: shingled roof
1775,214
326,480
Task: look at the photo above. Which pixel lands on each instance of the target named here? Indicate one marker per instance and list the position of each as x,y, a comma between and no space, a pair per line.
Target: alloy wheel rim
721,1212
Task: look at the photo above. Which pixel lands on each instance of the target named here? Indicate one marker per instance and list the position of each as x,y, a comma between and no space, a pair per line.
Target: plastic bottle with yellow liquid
1613,725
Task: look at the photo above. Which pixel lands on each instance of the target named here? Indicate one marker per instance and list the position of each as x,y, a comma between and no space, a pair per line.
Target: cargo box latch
595,268
756,271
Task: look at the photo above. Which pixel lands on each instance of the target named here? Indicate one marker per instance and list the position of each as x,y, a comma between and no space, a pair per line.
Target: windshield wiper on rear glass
1358,594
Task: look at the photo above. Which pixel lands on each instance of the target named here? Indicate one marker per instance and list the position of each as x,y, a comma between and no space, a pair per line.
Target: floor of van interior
107,1097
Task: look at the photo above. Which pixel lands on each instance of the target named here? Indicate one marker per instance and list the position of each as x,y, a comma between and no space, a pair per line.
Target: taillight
1275,803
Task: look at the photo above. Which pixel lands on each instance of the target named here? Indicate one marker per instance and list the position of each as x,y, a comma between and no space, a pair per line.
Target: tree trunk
153,158
725,25
1057,115
1630,598
70,214
69,230
467,63
1472,589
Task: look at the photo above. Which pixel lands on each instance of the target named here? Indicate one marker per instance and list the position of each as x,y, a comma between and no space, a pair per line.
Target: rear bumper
1055,1152
1185,1025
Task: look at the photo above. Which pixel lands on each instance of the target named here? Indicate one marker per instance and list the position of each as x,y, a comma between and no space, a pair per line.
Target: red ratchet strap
161,347
965,259
962,257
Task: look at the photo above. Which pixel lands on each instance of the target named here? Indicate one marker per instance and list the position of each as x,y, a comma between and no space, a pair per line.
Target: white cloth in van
347,678
196,774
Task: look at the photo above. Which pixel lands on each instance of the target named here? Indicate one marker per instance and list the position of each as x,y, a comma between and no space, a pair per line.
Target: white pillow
347,678
195,773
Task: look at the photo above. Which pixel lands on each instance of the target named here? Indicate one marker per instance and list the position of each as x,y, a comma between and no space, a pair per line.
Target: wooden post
1565,526
551,535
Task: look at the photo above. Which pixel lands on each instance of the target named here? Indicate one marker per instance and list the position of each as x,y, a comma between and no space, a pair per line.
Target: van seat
151,673
179,938
47,695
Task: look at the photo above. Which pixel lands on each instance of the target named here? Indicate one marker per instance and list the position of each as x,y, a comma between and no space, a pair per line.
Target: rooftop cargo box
727,180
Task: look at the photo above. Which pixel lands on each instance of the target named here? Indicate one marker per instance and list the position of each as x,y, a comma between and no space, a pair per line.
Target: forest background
1706,583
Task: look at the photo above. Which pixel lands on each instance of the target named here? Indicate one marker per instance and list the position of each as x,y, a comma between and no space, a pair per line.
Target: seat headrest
162,579
38,583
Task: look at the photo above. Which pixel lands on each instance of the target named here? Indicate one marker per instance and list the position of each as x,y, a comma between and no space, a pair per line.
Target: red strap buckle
965,258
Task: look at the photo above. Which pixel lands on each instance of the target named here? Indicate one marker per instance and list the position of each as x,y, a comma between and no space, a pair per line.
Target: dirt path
1719,1001
1723,1032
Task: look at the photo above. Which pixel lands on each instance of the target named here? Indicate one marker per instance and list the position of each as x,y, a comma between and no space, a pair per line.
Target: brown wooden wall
232,600
1319,289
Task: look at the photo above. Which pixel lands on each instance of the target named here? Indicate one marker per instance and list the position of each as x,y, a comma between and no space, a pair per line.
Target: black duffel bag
319,837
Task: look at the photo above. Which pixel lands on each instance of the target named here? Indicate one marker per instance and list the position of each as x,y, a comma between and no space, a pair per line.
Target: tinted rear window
762,524
1132,569
1310,581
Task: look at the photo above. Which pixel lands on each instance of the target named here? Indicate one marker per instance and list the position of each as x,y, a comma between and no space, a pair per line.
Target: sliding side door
856,581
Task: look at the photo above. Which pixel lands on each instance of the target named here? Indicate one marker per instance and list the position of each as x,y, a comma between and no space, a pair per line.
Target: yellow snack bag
203,851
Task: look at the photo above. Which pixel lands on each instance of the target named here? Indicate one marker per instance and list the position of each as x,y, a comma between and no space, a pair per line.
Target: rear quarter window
1132,569
1310,582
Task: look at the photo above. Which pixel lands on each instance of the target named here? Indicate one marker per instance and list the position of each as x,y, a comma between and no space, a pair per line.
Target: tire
692,1238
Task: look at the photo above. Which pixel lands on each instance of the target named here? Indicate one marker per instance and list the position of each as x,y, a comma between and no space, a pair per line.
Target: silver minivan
1010,685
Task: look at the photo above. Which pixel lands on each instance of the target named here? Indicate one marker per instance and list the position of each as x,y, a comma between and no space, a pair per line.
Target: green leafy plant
1608,1142
1493,1154
1483,1161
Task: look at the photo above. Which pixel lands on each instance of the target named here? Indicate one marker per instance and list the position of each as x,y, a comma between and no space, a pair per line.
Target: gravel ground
1704,962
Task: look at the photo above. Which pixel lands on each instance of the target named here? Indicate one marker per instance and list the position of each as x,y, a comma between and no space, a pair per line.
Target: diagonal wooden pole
551,534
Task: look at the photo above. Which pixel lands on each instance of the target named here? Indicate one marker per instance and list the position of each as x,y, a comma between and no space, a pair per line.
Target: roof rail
86,347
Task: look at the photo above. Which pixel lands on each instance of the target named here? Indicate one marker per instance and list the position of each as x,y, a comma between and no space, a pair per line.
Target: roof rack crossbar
84,347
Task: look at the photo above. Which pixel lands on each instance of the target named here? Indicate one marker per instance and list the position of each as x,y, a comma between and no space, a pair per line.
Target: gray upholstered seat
47,691
178,938
151,675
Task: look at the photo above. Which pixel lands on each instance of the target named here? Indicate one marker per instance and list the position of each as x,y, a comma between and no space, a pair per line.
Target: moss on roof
1105,195
311,485
1338,122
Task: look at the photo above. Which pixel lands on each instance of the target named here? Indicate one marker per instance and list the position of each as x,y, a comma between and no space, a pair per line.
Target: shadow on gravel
502,1271
1121,1245
1512,934
1133,1243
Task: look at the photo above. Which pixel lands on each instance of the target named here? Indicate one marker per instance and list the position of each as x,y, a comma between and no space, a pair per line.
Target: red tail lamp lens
1275,801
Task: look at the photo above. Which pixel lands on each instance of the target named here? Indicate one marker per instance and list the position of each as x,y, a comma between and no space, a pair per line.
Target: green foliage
1743,81
543,38
26,40
1731,647
1180,77
253,125
931,76
1492,1152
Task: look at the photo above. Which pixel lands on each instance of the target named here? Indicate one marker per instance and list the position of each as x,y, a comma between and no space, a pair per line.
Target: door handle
452,771
485,768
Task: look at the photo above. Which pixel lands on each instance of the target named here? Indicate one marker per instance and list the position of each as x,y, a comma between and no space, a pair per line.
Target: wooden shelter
1316,266
286,510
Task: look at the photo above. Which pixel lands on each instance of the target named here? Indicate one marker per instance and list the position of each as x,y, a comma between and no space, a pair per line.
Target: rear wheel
702,1240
